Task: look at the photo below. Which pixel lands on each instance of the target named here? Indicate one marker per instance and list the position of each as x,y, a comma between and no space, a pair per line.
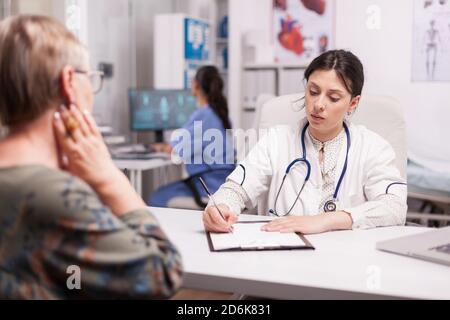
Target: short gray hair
34,51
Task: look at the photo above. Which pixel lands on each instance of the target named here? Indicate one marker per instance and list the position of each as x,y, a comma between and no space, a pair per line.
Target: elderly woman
71,226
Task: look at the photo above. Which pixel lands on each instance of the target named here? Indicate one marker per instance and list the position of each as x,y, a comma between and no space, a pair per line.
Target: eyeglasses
96,79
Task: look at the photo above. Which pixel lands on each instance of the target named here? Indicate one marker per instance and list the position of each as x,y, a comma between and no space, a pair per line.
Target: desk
136,167
345,265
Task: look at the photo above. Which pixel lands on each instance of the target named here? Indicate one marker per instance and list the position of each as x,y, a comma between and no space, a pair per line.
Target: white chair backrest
262,100
282,110
381,114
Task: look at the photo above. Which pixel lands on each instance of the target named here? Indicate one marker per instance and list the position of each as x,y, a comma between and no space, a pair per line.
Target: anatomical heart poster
431,42
303,29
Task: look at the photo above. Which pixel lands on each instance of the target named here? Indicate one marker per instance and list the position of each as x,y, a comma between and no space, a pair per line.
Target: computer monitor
160,110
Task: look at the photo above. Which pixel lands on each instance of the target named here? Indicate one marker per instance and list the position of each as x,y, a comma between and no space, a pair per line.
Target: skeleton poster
303,29
431,42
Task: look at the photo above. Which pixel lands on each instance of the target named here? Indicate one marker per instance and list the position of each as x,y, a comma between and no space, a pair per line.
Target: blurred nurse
212,113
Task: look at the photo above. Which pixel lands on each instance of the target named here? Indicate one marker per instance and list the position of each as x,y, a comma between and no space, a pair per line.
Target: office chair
196,201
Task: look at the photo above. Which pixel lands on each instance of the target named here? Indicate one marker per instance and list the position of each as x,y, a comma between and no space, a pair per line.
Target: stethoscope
331,205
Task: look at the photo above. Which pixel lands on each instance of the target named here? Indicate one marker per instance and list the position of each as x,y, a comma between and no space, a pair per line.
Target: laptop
433,246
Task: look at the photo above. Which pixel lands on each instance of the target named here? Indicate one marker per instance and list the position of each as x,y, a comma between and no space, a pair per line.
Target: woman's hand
214,222
81,142
162,147
311,224
85,155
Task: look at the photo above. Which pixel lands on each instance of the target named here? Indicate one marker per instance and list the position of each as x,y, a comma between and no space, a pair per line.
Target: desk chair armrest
190,182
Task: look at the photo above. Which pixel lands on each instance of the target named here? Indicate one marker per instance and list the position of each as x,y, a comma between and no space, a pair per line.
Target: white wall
387,56
121,32
5,8
144,14
34,6
244,16
53,8
109,41
201,9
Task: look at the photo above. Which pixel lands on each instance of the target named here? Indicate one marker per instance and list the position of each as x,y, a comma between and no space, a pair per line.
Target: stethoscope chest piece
330,206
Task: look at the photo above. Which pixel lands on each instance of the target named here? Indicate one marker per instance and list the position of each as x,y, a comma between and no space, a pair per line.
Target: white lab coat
371,169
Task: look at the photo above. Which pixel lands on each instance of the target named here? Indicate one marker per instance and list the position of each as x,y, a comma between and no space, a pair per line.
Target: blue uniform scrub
216,164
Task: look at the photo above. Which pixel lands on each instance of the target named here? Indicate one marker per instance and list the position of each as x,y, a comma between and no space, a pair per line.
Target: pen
212,199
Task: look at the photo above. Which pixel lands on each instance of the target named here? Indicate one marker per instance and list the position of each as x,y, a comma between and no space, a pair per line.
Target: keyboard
131,148
136,152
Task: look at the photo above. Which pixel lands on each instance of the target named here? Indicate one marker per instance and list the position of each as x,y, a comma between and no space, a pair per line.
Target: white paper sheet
249,235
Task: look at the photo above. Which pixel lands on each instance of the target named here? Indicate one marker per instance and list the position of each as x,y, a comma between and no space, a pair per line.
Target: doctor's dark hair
212,85
347,66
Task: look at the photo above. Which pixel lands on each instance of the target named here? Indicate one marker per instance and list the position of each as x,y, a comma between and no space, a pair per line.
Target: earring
348,116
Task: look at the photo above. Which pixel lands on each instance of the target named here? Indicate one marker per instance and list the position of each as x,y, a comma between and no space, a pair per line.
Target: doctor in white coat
327,174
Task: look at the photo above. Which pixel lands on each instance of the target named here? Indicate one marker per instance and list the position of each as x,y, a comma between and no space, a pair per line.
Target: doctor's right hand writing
214,222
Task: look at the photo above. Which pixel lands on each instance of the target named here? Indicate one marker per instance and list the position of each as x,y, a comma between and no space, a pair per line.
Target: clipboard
307,245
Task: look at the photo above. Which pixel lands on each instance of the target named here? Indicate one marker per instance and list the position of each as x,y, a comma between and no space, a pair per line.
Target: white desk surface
345,265
142,165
